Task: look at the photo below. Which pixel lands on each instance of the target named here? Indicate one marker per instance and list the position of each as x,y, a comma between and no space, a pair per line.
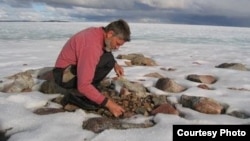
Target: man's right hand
114,108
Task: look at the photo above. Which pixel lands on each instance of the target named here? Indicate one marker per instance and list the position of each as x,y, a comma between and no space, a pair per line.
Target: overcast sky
212,12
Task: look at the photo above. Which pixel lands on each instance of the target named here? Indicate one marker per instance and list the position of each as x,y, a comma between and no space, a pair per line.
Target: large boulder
202,104
138,59
169,85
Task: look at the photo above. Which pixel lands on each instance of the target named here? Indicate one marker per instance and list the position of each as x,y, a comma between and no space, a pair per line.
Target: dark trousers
105,65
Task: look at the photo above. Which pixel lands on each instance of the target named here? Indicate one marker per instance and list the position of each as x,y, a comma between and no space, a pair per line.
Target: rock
208,79
239,89
234,66
46,111
169,69
133,87
24,81
155,75
238,114
201,104
99,124
158,99
138,59
143,61
204,86
50,87
46,76
20,82
168,85
44,73
70,107
129,56
58,99
133,104
128,63
124,91
165,108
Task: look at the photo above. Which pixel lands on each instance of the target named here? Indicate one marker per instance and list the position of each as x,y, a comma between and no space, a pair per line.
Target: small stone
203,86
46,111
70,107
165,108
239,114
208,79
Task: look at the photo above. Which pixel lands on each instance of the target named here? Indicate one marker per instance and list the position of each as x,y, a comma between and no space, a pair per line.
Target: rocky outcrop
133,96
99,124
134,104
25,81
20,82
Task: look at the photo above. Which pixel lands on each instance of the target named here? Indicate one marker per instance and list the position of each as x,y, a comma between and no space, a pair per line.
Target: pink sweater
84,50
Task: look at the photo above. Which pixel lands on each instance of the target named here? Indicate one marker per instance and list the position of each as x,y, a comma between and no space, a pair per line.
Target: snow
187,48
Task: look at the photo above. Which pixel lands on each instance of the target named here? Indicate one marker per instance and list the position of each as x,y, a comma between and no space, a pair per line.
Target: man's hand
114,108
118,70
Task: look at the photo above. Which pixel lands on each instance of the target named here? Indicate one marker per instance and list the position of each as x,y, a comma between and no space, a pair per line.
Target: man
86,59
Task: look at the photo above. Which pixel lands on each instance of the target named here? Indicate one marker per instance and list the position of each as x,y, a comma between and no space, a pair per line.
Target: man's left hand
118,70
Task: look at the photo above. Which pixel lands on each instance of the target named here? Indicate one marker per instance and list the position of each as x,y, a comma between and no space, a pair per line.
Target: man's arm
118,70
114,108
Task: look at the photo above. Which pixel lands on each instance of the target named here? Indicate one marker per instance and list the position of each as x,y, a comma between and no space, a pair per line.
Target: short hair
120,27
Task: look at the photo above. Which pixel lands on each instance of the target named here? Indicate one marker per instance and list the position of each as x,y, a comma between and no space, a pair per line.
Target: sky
186,49
208,12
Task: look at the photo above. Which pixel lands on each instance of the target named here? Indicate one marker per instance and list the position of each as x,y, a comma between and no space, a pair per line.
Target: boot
80,101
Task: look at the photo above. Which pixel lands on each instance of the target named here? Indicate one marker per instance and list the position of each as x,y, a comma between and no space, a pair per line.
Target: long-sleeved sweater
84,50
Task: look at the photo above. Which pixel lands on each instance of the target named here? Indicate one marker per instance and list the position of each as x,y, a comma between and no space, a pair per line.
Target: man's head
117,33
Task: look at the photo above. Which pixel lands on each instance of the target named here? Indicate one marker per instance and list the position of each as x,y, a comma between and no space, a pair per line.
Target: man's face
113,42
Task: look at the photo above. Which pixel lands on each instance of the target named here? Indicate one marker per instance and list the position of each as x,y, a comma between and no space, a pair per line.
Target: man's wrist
104,102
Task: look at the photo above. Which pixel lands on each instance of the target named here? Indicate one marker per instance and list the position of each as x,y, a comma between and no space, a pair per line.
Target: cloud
97,4
169,11
176,4
233,8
